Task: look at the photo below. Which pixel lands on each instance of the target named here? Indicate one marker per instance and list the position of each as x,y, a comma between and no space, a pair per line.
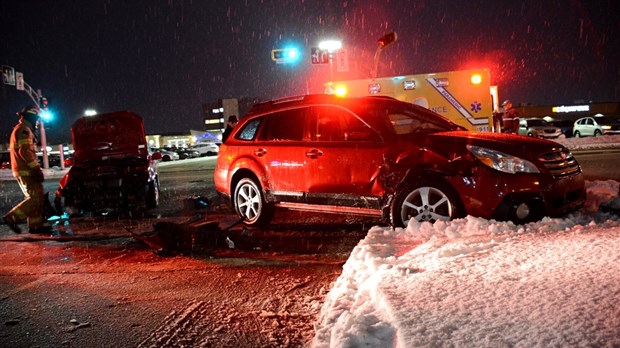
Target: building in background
571,111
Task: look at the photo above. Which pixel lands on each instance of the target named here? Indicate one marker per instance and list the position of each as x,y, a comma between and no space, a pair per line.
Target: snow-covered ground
478,283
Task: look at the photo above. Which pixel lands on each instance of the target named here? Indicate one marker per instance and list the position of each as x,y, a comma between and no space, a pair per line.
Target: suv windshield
401,118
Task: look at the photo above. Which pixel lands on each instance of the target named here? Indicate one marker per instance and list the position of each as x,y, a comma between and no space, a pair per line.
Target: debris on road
196,237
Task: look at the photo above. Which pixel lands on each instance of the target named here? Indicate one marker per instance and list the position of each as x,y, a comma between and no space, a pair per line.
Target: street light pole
383,42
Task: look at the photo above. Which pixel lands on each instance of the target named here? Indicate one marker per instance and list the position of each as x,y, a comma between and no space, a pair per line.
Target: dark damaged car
380,157
113,170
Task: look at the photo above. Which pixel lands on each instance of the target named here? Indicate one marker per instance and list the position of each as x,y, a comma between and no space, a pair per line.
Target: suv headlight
501,161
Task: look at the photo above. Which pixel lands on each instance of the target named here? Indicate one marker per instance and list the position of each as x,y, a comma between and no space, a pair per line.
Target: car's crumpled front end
518,179
116,185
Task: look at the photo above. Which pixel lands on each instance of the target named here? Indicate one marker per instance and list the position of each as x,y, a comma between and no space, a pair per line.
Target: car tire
577,134
166,158
425,201
598,133
250,204
152,194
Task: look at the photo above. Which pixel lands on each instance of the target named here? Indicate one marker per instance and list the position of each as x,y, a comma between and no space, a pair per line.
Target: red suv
112,170
377,156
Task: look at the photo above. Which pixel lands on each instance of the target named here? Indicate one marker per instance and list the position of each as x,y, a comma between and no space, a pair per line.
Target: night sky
163,59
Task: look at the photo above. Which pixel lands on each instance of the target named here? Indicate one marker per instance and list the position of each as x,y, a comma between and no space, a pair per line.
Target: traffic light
46,114
285,55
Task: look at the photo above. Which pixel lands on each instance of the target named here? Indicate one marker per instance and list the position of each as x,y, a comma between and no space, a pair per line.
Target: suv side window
249,130
332,123
287,125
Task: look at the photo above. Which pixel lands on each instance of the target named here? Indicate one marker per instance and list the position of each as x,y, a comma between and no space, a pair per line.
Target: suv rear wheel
424,201
250,203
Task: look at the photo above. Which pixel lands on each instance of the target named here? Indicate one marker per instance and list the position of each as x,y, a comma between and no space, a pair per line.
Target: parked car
166,155
185,153
113,169
566,127
377,156
539,128
54,160
206,149
595,126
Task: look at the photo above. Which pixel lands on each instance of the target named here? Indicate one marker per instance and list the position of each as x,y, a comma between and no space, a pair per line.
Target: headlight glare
501,161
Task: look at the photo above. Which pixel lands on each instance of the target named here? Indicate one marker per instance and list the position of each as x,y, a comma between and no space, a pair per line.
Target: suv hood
100,138
517,145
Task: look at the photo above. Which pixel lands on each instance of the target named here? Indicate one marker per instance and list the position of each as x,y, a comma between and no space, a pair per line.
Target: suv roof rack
271,104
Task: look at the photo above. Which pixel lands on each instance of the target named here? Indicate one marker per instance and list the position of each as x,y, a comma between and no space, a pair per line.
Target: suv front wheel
424,202
250,204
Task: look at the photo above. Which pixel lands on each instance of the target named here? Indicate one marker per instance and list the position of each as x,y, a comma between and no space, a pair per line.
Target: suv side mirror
156,156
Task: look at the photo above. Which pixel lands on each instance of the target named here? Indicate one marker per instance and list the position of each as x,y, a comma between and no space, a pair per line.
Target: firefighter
27,171
510,118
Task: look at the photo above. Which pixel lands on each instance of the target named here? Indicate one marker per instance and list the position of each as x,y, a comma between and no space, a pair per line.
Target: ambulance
466,97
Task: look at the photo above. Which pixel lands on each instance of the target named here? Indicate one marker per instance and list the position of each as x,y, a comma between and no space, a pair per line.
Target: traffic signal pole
12,78
36,96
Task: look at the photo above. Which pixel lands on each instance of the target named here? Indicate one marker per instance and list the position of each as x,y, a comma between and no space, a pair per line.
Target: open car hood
108,137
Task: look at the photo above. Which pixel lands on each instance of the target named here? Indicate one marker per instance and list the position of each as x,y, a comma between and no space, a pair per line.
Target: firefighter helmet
30,113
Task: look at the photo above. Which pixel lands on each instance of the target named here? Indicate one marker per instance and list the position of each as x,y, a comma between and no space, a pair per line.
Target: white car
595,126
539,128
206,149
167,155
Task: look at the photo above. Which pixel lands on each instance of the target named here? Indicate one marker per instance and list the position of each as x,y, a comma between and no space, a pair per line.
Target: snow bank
483,283
591,143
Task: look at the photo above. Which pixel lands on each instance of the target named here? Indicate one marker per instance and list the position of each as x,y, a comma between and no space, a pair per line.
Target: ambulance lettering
439,109
455,103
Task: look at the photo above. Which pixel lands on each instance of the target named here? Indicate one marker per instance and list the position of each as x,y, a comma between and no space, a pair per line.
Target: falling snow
163,60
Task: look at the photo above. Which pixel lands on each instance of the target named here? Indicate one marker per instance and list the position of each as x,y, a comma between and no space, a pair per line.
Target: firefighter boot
12,224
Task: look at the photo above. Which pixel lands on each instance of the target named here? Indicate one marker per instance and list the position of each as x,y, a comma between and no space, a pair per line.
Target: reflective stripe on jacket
23,149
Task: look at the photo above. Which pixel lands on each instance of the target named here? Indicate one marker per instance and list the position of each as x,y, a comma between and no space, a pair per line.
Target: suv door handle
260,152
314,153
